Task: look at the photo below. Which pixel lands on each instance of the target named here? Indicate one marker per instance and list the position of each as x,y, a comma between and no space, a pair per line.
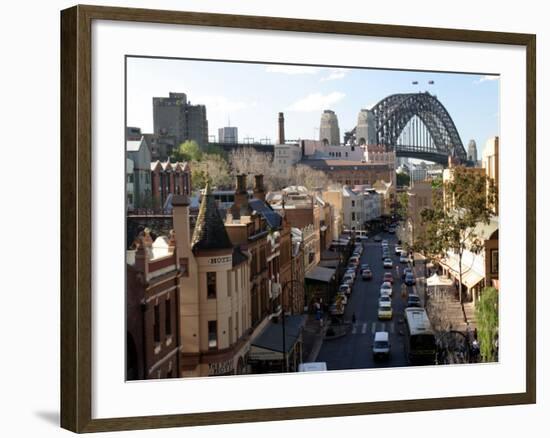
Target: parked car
366,274
377,238
386,288
404,258
413,300
391,230
354,259
345,289
404,273
348,279
409,279
385,311
398,249
381,345
365,266
384,242
388,264
388,276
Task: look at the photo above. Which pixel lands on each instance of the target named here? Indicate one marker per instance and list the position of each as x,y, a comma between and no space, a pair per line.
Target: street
354,350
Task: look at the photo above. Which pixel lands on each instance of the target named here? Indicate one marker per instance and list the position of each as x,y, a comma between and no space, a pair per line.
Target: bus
420,346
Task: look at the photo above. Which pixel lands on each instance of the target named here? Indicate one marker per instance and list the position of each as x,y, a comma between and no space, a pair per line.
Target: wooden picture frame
76,222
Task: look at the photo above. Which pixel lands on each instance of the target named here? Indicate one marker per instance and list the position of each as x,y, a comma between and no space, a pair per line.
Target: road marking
383,327
364,328
392,328
373,330
354,329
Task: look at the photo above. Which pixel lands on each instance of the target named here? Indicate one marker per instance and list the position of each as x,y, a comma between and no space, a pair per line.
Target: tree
465,201
187,151
211,167
487,323
403,205
403,179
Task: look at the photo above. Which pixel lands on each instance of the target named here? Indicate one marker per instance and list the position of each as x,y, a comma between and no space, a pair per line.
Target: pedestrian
353,319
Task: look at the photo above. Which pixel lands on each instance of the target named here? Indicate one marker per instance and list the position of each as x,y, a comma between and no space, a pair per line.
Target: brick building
152,338
169,178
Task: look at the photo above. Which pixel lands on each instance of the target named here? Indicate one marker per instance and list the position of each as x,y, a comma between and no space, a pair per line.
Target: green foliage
403,179
450,224
214,149
487,323
211,167
403,204
187,151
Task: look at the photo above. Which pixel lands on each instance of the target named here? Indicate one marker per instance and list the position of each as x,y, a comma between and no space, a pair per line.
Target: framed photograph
269,218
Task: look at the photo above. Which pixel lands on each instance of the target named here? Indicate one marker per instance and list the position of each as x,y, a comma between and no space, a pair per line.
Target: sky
250,96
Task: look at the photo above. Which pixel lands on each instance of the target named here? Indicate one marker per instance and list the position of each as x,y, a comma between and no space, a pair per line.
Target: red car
388,276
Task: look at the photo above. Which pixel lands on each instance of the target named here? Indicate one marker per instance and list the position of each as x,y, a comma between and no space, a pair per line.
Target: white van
381,345
312,366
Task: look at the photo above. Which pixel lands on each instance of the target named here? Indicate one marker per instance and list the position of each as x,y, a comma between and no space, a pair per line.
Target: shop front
271,352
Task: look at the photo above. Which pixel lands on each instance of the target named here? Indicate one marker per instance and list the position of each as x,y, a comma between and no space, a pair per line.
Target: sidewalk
312,338
452,313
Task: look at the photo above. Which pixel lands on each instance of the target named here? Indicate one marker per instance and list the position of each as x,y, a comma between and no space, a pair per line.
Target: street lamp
289,282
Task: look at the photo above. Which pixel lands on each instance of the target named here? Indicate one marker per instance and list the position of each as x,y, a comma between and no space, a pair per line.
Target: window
352,215
212,335
168,317
211,285
494,261
229,282
130,178
230,325
156,324
353,203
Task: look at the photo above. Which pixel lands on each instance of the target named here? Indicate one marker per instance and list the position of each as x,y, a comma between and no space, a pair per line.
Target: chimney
180,217
281,128
144,251
259,191
241,195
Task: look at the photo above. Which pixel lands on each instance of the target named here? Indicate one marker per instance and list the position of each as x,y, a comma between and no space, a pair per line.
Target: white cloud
488,78
316,102
221,103
338,73
292,69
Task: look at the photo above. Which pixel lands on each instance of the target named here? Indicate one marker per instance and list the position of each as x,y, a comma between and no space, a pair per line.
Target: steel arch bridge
416,125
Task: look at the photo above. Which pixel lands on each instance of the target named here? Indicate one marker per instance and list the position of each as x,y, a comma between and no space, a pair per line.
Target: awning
437,280
469,277
268,345
329,263
318,273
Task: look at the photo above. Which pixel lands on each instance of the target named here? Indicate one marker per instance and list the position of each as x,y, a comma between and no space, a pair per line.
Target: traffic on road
378,286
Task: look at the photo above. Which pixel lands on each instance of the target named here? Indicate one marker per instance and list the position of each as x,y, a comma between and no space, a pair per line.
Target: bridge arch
435,140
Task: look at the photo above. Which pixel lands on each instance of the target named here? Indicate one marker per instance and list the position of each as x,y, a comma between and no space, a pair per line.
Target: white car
386,288
345,289
348,279
404,258
388,264
381,345
398,250
384,300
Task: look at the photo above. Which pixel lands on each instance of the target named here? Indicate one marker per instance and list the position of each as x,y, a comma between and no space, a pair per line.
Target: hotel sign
220,368
220,260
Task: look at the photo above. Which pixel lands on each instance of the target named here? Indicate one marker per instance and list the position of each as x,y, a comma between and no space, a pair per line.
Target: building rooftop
133,145
209,233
